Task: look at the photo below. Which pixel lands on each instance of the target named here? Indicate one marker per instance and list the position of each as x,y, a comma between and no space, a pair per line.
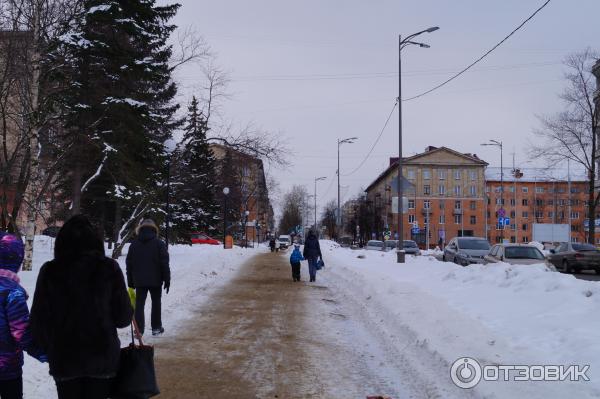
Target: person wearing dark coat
80,300
312,251
147,271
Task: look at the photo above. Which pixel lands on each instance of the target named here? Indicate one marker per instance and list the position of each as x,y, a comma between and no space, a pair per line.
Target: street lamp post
401,44
349,140
498,144
247,213
316,180
226,192
168,218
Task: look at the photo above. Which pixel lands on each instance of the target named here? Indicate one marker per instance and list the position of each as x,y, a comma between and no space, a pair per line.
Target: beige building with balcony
446,198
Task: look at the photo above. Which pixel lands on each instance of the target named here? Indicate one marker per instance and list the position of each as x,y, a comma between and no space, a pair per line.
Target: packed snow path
264,336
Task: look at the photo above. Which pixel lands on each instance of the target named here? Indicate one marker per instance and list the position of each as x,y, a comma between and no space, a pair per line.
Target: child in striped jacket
15,335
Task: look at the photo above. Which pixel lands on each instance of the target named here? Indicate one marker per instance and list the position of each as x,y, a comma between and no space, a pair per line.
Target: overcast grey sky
317,70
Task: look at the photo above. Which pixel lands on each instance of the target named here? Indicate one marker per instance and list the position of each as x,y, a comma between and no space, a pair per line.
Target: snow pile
196,271
498,314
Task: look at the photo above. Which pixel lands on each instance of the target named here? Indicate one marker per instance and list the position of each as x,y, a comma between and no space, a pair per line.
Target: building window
426,189
473,205
512,202
473,219
512,214
539,214
487,189
525,239
426,174
539,190
441,174
524,226
457,205
411,219
513,239
550,214
525,189
525,202
457,174
442,219
498,239
499,201
574,215
441,189
427,204
442,204
525,214
473,191
411,204
539,202
457,191
488,214
411,174
473,175
551,202
457,219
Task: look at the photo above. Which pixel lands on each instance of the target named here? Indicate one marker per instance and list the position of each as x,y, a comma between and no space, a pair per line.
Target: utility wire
480,58
375,143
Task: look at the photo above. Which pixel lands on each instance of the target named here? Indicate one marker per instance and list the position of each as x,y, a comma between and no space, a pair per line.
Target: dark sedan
573,257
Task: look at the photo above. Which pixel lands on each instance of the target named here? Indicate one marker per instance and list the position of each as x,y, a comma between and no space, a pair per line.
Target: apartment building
533,195
446,195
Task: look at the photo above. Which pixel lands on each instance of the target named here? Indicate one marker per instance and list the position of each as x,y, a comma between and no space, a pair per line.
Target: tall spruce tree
119,109
194,176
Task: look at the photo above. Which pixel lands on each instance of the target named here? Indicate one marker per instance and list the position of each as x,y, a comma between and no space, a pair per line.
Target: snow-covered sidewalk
499,315
196,272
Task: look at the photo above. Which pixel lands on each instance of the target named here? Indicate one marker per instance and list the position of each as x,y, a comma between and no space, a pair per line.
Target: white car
284,241
374,245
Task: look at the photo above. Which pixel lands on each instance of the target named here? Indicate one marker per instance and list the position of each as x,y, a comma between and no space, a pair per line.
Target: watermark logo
466,373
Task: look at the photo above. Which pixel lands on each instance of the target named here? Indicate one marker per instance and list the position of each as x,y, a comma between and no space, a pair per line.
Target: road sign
415,230
507,221
387,235
501,212
501,221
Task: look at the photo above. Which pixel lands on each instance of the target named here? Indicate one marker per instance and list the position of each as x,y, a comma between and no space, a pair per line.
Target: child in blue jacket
295,259
15,335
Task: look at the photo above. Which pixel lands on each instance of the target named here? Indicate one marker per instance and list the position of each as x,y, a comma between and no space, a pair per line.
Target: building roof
536,175
414,159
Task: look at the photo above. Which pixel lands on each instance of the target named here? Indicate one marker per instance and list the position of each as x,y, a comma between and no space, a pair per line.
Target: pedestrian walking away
295,259
148,272
15,333
80,300
312,253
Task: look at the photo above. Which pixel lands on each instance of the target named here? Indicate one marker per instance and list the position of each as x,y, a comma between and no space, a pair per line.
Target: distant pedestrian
15,333
312,252
148,271
295,259
80,300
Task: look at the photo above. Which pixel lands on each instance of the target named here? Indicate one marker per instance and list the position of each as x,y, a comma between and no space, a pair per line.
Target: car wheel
565,267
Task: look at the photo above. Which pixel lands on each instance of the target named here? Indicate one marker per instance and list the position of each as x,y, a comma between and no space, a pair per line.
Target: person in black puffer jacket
80,300
147,271
312,251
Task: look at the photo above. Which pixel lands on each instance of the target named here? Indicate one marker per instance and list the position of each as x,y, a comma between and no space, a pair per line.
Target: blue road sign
507,221
501,221
415,230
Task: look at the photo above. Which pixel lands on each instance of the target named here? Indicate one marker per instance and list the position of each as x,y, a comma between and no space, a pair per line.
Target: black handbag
136,376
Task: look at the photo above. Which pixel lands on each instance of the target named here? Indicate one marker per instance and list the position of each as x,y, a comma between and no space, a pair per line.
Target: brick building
535,196
446,198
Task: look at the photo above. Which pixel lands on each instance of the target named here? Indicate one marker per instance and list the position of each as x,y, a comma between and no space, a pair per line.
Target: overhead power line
480,58
375,143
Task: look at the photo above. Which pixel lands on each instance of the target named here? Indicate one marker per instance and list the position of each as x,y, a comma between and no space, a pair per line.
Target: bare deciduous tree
572,134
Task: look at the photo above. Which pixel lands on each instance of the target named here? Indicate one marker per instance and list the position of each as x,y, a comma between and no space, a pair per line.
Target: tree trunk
76,190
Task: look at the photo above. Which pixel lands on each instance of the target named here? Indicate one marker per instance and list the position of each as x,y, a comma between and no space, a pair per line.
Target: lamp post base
401,256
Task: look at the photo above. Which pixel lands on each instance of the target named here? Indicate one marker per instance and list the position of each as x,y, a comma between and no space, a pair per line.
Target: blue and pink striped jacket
15,336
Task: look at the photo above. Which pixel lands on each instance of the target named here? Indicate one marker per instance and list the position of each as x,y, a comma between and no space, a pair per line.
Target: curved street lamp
226,192
401,44
349,140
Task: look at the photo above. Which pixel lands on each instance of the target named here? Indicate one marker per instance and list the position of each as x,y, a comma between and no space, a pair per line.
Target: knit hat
12,252
147,223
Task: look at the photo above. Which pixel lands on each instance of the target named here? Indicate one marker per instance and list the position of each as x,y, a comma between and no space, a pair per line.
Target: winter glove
131,293
167,285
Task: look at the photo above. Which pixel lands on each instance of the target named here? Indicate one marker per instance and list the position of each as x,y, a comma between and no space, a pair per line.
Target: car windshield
473,244
523,253
375,244
410,244
284,239
583,247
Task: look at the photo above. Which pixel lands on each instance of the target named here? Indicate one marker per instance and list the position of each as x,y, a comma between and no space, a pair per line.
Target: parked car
345,241
202,238
411,248
374,245
391,244
573,257
466,250
515,254
284,241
